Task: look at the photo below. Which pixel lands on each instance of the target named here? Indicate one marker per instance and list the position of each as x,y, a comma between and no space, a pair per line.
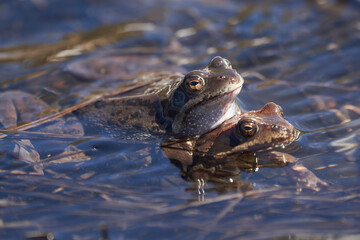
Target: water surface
302,55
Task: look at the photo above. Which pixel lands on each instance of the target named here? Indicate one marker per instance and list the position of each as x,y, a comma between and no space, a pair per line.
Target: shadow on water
302,55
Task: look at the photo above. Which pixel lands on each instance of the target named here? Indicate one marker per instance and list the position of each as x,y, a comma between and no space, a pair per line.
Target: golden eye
247,128
195,83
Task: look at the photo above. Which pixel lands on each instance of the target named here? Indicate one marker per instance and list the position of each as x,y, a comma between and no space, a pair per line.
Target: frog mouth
237,83
230,94
200,107
240,150
206,100
276,146
295,136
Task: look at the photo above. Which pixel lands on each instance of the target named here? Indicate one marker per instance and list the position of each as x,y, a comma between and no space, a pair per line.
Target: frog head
205,98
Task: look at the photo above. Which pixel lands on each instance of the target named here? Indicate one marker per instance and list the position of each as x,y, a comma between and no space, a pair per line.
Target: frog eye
194,83
247,128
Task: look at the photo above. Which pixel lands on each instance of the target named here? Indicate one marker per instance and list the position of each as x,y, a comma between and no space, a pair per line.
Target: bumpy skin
170,108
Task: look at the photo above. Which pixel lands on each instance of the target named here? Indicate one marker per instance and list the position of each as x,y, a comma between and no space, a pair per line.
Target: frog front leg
303,177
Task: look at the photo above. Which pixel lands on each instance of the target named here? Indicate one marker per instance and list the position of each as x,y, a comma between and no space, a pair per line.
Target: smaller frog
264,129
247,141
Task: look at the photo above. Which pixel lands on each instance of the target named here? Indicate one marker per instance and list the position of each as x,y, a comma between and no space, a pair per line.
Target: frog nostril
234,80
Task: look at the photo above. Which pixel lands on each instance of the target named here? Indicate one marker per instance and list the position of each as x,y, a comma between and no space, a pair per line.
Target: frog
176,106
172,105
247,141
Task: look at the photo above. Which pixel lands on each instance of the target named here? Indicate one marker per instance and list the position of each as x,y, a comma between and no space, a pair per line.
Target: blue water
302,55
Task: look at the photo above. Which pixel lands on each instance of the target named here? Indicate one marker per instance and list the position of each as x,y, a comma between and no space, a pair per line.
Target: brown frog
247,141
175,106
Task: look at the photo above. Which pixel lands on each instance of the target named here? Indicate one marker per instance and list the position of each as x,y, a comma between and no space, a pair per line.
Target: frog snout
237,78
230,76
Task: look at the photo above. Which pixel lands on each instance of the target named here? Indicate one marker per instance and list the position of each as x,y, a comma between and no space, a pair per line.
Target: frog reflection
175,106
245,142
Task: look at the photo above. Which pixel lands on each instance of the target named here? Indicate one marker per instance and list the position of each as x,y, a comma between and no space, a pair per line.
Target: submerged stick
19,134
